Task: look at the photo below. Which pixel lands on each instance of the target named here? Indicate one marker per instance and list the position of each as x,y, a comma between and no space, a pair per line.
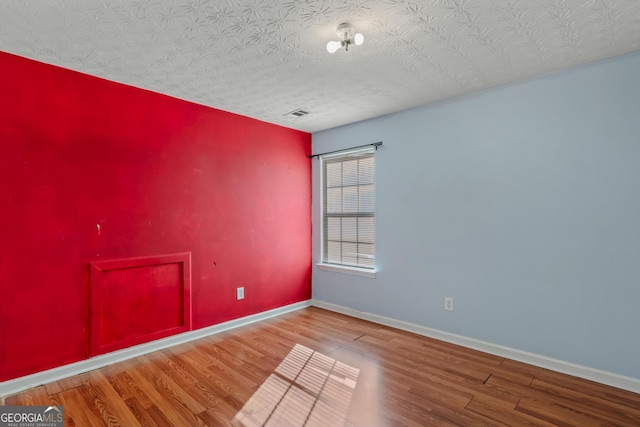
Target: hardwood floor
318,368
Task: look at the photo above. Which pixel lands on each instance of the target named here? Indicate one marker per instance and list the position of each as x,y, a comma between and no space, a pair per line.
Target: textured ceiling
264,58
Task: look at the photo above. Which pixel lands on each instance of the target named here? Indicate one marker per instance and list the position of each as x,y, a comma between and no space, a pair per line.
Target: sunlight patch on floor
307,389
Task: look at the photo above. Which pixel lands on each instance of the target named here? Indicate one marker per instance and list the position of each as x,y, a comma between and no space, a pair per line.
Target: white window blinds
348,211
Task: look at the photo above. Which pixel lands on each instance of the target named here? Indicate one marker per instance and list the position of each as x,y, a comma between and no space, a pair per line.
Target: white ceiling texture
265,58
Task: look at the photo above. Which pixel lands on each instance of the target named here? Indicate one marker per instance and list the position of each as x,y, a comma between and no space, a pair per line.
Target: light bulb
358,39
332,46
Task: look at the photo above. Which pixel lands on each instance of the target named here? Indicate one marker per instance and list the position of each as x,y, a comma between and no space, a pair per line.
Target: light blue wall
523,203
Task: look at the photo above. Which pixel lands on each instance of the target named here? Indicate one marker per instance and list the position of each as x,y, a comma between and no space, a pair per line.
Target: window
348,209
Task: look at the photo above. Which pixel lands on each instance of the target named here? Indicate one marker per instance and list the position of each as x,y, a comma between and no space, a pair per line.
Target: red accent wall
159,176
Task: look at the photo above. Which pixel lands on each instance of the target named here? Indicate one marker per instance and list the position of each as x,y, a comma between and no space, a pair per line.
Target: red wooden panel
137,300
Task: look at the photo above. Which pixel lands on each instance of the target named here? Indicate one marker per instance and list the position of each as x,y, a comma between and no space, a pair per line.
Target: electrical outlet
240,293
448,303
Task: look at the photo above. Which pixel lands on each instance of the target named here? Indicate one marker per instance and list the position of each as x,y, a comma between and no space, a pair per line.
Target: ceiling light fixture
348,36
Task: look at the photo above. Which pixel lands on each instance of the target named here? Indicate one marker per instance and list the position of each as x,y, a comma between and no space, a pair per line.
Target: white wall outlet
448,303
240,293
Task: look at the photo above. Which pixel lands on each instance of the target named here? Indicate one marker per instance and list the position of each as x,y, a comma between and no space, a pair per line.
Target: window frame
343,268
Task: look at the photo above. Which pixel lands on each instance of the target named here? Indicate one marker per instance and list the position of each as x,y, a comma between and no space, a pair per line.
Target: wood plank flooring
318,368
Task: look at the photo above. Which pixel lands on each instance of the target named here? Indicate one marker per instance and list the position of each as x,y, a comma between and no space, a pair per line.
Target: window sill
364,272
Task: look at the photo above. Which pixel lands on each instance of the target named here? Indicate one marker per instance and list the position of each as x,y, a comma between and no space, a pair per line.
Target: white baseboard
604,377
23,383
